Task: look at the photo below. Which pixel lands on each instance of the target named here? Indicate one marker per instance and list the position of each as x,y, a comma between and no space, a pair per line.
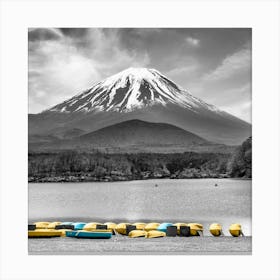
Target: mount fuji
137,94
131,89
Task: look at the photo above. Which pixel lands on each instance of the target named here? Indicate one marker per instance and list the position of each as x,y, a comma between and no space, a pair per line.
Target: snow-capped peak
131,89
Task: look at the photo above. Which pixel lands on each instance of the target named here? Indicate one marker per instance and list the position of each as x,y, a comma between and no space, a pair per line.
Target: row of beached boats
96,230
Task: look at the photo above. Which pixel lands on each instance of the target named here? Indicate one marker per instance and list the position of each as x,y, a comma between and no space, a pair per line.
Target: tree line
98,166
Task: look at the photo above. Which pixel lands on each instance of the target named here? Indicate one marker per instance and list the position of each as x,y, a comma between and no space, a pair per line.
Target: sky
212,64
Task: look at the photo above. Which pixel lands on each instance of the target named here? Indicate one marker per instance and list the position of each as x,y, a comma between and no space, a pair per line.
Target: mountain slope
143,94
135,132
127,136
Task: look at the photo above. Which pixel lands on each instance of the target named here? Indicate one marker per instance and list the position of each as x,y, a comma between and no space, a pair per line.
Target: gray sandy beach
125,245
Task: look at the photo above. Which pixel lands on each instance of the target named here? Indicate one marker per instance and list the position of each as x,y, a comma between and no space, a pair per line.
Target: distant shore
114,178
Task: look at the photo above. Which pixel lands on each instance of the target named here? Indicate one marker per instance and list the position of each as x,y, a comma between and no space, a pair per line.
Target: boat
196,229
179,225
171,231
235,230
41,225
155,234
31,227
110,225
66,223
139,226
215,229
60,227
96,234
137,233
63,232
91,226
163,227
78,226
53,225
122,228
44,233
151,226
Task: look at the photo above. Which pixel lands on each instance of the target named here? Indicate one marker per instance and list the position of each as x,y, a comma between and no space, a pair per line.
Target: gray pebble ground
124,245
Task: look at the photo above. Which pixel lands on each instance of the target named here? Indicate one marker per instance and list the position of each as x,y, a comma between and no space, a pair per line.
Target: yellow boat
91,226
63,232
41,225
53,225
44,233
155,234
215,229
178,225
137,233
121,228
151,226
139,226
110,225
196,229
235,230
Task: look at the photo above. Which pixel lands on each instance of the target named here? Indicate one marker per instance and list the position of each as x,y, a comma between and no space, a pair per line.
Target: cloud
215,66
183,70
228,85
35,34
234,95
237,63
242,110
193,41
61,65
234,100
185,74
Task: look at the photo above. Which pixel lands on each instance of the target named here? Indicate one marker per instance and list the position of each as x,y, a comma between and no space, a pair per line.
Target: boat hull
235,230
163,227
100,234
110,225
195,229
41,225
91,226
139,226
155,234
79,226
137,233
178,225
124,228
53,225
44,233
151,226
215,229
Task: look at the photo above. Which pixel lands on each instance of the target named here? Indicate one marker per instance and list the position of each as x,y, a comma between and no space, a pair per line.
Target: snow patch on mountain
132,89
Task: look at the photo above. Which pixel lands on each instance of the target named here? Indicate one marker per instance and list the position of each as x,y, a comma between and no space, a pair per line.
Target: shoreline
84,179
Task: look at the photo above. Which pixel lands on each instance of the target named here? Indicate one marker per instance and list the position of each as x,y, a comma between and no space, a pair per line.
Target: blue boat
163,226
99,234
78,226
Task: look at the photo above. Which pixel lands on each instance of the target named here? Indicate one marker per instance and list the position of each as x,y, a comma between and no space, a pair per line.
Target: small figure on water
216,185
156,185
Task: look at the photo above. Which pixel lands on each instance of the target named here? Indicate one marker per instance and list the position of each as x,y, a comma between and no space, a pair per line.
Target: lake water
188,200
